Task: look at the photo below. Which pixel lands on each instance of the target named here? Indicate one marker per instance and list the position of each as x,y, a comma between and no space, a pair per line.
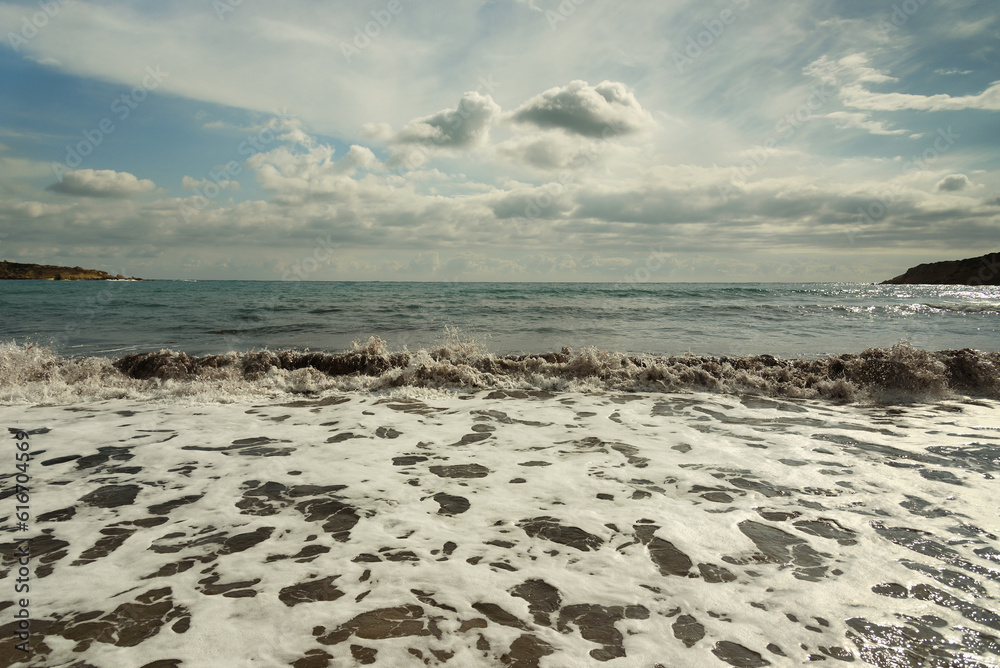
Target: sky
502,140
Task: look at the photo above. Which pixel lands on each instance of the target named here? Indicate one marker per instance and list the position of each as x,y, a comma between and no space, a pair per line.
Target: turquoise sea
722,319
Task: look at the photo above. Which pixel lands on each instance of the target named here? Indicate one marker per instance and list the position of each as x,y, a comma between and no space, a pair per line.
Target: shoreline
14,271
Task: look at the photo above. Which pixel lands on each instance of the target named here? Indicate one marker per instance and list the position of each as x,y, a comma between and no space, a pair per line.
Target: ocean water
211,317
500,475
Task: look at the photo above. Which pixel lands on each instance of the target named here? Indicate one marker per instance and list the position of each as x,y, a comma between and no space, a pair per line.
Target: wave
989,308
35,374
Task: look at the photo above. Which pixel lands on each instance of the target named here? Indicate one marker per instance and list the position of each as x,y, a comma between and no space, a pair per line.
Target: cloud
465,125
101,183
373,222
14,168
860,98
850,69
844,120
549,151
468,262
551,201
425,263
28,210
313,172
853,75
531,4
953,183
377,131
608,109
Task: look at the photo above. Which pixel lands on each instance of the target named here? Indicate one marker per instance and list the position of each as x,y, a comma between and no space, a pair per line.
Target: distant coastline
982,270
13,271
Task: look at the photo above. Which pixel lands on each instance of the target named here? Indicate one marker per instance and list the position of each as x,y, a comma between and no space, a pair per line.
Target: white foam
32,374
650,453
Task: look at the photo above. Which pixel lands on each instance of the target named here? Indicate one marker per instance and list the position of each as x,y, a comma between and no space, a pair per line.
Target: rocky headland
982,270
45,272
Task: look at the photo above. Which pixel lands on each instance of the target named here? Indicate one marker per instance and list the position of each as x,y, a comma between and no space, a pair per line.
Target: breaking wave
35,374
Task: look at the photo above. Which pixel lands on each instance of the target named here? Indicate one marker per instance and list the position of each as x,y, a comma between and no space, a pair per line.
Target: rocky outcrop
983,270
45,272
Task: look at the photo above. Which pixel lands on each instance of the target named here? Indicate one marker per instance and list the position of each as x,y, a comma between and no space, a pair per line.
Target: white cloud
425,263
860,98
608,109
853,75
850,69
479,264
312,172
31,209
101,183
598,223
289,130
377,131
861,121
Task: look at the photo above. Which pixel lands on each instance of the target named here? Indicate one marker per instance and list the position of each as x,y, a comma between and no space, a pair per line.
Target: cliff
45,272
983,270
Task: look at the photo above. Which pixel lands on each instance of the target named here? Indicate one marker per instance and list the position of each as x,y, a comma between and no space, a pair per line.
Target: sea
324,474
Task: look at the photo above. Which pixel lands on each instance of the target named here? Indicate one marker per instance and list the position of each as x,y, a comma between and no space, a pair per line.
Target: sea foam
33,374
509,528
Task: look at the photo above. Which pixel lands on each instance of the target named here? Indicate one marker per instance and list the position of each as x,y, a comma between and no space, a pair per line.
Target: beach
499,334
511,528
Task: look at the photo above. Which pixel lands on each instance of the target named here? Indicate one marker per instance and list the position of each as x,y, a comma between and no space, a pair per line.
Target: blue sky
499,140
